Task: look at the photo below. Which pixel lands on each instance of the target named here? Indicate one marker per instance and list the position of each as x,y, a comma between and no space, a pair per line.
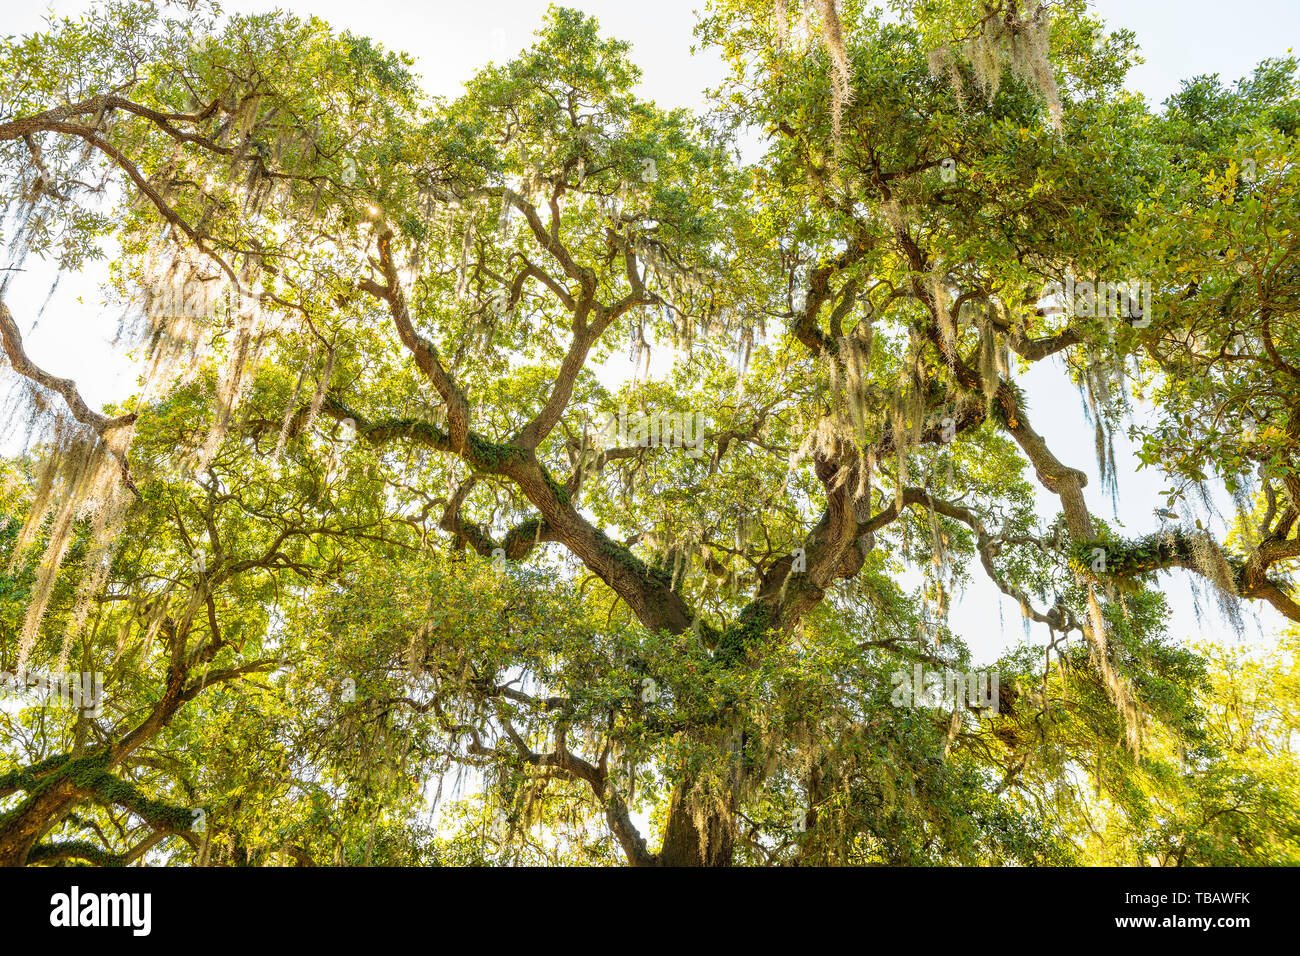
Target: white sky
1179,39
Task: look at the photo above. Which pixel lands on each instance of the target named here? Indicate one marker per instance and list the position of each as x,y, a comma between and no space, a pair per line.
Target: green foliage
383,590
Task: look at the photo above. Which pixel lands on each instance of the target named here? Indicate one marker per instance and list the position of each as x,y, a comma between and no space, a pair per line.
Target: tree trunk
686,843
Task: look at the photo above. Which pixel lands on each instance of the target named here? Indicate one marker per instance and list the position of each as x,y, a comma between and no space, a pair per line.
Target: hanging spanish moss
939,293
1118,688
833,39
107,518
744,349
231,384
322,386
462,267
1006,41
943,65
639,350
1101,399
991,362
78,478
291,407
1208,560
503,218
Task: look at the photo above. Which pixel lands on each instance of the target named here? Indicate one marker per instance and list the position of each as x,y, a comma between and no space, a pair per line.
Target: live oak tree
364,526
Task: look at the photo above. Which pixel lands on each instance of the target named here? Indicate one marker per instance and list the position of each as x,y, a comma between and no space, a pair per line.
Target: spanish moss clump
462,266
82,475
854,399
943,65
744,351
188,308
1117,687
1209,560
833,39
179,297
906,420
106,520
991,362
1101,399
232,383
318,398
1006,41
939,293
782,15
940,576
78,478
639,351
291,409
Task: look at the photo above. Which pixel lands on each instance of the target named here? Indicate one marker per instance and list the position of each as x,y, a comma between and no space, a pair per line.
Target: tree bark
687,844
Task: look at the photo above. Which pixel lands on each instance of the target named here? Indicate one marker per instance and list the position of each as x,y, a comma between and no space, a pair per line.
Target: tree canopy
379,532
